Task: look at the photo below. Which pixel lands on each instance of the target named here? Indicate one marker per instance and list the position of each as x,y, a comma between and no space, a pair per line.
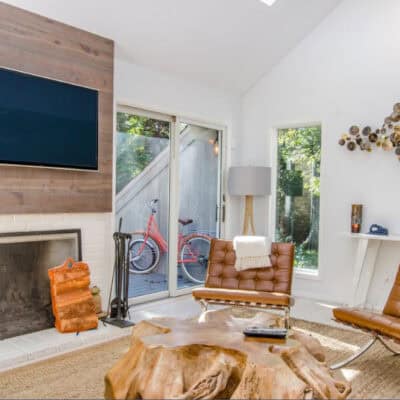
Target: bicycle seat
185,221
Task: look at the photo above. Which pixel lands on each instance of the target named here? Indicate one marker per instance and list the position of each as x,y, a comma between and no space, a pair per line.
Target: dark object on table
273,333
378,230
356,218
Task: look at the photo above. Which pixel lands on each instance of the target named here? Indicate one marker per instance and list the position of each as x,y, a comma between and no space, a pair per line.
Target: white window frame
302,273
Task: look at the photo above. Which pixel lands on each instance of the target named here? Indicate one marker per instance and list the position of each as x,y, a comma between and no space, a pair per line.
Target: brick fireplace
25,257
97,250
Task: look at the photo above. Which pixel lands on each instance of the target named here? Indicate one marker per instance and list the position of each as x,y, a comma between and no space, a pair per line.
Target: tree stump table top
209,357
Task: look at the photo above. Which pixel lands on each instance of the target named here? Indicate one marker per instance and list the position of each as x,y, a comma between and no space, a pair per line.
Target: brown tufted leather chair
268,287
385,324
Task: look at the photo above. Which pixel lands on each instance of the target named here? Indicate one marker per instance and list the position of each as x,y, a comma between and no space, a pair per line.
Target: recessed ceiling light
268,2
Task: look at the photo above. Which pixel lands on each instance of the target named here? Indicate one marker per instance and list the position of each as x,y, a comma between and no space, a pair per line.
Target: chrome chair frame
205,302
375,338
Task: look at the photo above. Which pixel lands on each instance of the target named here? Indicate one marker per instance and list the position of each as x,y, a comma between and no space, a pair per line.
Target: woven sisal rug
79,375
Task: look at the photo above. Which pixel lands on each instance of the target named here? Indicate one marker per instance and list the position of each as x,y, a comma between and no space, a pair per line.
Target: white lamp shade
249,181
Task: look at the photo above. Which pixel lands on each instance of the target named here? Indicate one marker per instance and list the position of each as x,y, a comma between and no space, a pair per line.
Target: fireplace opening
25,257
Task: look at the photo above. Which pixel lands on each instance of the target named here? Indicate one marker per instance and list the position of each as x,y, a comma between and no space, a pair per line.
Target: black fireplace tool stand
118,308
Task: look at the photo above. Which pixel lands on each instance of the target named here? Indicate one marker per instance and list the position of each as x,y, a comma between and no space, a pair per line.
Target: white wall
147,89
345,72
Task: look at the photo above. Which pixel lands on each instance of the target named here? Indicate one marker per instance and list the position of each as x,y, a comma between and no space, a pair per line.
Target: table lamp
249,182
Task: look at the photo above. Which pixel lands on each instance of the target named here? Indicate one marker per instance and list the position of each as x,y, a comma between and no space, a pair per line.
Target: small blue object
378,230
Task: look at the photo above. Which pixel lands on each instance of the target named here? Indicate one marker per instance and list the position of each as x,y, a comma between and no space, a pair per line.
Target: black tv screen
47,123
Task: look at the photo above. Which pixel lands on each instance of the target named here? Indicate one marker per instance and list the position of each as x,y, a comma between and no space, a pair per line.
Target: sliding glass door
142,197
166,170
199,161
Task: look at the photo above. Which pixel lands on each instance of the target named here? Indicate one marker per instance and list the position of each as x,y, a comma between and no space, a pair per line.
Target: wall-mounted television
47,123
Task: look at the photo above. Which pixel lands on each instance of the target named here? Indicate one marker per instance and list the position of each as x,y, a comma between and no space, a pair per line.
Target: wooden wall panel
37,45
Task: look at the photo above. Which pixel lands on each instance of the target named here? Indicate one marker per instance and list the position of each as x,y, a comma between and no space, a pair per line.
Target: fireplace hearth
25,257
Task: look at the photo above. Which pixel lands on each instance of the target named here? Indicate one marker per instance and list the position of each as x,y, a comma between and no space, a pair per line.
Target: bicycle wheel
194,256
143,256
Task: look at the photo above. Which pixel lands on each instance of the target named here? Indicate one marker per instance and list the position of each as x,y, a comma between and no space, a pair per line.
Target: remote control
258,331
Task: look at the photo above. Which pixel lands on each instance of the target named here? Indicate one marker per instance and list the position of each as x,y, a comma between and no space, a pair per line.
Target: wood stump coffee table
210,358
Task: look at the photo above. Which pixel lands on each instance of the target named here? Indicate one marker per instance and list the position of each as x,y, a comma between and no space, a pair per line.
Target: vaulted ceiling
228,44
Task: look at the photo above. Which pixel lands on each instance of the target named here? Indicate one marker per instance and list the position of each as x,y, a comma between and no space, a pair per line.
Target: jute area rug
79,375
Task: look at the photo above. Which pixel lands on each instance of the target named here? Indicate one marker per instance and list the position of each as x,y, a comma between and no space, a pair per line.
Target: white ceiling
228,44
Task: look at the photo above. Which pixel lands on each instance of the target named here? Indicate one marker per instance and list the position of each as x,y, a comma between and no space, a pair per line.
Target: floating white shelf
367,252
392,238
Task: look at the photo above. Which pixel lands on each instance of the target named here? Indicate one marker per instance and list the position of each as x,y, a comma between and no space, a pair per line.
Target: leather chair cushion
222,274
384,324
392,306
266,298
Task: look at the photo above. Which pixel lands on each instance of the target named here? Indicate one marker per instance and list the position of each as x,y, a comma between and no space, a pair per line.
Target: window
298,192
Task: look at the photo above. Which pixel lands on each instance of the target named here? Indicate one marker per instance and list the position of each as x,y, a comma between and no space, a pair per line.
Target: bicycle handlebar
152,204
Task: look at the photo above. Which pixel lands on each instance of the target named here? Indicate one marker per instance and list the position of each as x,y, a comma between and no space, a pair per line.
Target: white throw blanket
252,252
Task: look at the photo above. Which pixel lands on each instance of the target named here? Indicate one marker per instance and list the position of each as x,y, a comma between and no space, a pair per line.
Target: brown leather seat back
392,306
222,273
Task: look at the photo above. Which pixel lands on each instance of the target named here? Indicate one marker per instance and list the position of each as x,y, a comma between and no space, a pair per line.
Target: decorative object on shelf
376,229
387,137
356,218
249,182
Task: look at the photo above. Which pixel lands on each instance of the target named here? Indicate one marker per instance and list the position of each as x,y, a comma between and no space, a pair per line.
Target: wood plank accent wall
40,46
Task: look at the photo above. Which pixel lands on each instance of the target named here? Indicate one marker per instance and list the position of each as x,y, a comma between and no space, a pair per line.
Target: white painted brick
97,242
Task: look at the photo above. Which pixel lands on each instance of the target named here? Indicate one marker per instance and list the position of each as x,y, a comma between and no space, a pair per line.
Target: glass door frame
174,191
175,196
166,118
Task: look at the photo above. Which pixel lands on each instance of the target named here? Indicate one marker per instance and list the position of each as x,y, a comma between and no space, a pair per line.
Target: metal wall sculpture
387,137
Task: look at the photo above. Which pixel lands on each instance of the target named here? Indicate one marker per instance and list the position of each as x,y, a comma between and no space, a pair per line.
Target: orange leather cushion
221,272
267,298
380,323
392,306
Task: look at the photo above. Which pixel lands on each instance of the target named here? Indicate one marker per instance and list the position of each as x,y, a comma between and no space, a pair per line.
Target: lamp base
248,223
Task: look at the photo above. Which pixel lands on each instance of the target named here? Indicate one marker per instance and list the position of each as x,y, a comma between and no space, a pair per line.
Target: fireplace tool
118,308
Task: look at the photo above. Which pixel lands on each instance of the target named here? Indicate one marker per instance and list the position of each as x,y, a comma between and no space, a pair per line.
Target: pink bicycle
145,249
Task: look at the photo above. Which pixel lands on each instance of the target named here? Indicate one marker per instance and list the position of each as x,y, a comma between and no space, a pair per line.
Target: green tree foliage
301,147
298,191
134,150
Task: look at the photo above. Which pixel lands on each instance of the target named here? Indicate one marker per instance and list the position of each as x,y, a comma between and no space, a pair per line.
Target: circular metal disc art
387,137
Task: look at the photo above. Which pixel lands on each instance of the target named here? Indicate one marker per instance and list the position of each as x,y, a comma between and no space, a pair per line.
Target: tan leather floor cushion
268,298
392,306
384,324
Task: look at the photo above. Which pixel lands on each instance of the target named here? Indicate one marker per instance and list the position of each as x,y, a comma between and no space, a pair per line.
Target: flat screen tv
47,123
